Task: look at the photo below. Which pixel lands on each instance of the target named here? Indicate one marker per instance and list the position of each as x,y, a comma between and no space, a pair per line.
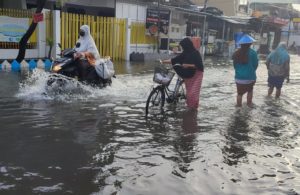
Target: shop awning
235,20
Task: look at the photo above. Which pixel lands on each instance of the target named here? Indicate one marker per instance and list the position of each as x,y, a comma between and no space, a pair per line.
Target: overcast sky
296,6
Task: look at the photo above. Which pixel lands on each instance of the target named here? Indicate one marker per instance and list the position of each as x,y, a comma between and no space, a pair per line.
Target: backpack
105,69
276,70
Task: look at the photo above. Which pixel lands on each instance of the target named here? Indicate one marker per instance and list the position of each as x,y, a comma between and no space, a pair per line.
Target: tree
30,30
49,42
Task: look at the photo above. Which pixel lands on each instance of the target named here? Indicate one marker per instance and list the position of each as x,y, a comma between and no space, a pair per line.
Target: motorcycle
64,69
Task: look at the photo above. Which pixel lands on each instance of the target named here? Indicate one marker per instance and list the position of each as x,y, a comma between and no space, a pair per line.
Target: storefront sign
152,18
12,29
296,20
279,21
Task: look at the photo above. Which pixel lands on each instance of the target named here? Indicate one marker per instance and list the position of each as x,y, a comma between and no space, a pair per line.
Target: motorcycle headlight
56,68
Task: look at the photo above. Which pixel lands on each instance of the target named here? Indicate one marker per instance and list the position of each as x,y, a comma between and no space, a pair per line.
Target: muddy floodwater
92,141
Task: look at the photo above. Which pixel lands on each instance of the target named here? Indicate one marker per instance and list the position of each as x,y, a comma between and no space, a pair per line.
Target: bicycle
157,97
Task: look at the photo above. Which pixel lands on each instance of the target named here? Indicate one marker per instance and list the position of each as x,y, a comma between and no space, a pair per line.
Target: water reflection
39,155
185,144
273,110
237,138
102,143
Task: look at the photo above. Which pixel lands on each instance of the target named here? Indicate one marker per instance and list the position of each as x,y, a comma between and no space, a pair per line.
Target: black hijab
187,45
189,55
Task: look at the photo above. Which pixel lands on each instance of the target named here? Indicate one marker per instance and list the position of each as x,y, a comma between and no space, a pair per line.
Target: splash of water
124,87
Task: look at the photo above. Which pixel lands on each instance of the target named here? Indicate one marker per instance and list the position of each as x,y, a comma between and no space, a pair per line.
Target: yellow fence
138,34
19,14
49,26
109,33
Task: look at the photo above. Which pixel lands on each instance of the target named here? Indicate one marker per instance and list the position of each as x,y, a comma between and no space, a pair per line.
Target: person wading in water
191,70
245,62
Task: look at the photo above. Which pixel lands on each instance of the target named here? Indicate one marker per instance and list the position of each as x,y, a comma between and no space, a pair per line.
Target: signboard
296,20
279,21
38,17
12,29
152,18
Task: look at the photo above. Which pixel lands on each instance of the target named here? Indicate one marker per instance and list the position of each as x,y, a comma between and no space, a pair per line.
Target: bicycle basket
162,75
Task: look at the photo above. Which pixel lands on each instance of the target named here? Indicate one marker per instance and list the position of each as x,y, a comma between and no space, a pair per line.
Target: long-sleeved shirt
247,71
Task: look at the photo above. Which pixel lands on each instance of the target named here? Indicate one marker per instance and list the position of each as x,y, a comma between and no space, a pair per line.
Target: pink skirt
193,86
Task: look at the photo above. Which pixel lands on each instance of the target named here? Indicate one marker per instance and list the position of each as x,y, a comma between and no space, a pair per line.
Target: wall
131,11
13,4
134,12
177,25
177,31
12,53
39,52
295,38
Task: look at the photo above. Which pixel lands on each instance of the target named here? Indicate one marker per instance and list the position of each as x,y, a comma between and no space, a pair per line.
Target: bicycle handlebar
161,63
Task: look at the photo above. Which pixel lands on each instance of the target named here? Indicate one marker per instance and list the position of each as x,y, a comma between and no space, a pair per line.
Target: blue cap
246,39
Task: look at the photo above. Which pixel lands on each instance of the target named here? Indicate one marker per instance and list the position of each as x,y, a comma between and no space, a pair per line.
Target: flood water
93,141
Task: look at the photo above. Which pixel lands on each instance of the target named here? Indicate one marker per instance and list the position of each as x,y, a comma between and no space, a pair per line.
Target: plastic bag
105,69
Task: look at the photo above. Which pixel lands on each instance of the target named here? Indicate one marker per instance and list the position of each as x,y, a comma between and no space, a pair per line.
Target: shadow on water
177,129
273,112
41,156
237,138
185,142
101,143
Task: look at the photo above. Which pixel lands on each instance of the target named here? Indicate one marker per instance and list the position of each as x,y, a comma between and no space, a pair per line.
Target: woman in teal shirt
245,63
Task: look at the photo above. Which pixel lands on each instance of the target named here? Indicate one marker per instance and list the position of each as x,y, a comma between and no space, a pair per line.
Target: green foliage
49,41
60,3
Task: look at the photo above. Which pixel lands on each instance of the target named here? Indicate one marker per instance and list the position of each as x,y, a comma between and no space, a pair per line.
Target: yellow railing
19,14
109,33
49,25
138,34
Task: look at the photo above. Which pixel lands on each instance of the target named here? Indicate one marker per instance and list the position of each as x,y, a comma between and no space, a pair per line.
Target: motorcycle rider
87,56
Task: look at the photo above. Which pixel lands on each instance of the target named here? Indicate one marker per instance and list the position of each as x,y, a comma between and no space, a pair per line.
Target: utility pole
288,39
158,25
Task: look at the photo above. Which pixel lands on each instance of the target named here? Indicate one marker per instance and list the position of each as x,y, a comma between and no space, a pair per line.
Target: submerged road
92,141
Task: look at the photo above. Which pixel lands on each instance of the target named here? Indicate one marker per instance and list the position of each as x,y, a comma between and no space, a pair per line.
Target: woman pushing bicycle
191,70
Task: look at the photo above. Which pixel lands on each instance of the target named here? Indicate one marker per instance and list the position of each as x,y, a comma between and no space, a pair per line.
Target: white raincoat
104,68
87,43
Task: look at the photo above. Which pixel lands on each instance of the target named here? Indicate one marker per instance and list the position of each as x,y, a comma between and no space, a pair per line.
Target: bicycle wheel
155,101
